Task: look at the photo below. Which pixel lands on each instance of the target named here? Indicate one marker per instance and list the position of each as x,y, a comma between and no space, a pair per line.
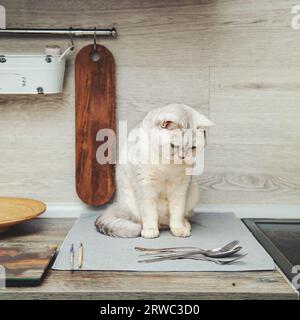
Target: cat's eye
193,147
172,145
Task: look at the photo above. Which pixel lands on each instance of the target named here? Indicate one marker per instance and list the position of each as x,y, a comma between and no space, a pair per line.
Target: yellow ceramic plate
16,210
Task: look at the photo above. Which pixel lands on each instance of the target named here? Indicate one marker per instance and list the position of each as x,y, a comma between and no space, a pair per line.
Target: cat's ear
168,120
203,122
168,124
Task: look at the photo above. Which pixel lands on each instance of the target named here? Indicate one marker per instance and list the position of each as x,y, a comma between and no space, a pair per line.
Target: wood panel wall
236,61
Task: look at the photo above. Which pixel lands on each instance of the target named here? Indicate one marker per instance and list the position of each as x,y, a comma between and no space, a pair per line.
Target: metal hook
71,39
95,54
95,40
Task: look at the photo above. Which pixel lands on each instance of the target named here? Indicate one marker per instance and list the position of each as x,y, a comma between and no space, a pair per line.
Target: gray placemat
209,230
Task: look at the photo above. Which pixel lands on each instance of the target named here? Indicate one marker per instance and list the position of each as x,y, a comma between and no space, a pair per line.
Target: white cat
152,196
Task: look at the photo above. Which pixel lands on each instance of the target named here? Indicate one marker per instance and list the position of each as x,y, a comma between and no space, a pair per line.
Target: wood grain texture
254,150
233,188
234,60
251,173
141,89
139,285
95,110
210,32
255,106
25,264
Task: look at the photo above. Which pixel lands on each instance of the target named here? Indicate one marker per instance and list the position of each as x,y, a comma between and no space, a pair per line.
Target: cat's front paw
184,231
187,224
150,233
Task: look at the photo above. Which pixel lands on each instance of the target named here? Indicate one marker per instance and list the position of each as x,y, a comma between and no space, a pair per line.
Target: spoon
193,253
218,252
213,254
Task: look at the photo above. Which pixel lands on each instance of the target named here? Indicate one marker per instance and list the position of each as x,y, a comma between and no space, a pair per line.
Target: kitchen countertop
138,285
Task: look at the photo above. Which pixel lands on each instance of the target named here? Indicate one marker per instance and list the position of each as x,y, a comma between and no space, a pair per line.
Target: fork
195,257
187,255
218,252
179,254
217,261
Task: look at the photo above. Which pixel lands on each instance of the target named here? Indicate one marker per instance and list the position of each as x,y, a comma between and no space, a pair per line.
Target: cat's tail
111,225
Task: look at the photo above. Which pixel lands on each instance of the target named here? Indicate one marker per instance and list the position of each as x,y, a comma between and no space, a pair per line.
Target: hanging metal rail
77,32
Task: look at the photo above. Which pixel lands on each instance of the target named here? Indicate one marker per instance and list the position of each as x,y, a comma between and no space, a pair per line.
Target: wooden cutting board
95,110
25,263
